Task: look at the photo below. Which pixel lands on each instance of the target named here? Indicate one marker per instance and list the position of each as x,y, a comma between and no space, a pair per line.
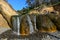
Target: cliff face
44,24
3,22
6,11
52,17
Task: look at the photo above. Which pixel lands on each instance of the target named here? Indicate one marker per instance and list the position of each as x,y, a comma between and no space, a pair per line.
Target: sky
17,4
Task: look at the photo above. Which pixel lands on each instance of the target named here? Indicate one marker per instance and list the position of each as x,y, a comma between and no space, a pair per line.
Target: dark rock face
44,24
55,19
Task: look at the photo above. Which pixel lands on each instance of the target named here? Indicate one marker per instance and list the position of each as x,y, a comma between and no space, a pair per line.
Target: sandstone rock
6,11
3,25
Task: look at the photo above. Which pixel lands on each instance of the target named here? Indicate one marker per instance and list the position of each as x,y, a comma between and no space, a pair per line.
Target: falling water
30,24
35,23
16,24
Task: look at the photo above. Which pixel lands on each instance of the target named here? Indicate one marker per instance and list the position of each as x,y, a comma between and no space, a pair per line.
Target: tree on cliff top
34,3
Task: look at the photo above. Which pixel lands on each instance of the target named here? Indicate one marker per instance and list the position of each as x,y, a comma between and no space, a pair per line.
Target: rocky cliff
6,11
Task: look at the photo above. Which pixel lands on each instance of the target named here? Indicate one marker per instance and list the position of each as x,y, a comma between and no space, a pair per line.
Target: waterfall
35,23
16,20
18,26
30,24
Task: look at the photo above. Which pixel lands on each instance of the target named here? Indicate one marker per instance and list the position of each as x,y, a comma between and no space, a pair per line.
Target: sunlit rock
6,11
